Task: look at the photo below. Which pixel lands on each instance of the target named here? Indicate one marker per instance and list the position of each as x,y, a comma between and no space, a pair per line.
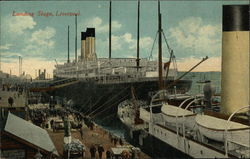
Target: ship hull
95,99
152,145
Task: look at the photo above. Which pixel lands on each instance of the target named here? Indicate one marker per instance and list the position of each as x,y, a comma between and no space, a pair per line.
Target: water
112,124
115,126
197,88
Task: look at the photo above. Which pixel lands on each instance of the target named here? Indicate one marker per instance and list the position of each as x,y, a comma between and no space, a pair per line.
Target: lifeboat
214,128
172,115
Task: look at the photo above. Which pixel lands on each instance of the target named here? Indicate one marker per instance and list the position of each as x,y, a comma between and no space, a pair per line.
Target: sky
192,28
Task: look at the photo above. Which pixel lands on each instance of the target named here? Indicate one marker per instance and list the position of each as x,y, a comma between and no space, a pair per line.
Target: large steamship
104,82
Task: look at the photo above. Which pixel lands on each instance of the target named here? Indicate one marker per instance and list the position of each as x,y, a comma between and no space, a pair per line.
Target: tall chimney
20,63
39,73
235,58
83,45
44,74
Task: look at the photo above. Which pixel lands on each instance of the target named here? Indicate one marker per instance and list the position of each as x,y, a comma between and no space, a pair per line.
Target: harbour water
196,77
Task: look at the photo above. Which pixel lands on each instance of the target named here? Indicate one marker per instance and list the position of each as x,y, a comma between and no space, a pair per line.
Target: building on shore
22,139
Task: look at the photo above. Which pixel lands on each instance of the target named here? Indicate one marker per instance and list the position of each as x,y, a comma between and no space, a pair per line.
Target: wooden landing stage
90,137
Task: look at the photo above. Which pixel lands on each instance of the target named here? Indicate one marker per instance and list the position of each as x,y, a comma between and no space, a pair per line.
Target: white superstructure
107,69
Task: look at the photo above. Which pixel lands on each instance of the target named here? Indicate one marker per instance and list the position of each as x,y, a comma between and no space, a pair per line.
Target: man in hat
100,151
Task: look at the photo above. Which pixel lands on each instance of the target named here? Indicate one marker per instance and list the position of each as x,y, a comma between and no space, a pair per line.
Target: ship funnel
90,53
235,58
83,45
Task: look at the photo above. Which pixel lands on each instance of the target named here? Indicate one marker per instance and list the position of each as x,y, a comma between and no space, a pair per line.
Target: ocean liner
102,83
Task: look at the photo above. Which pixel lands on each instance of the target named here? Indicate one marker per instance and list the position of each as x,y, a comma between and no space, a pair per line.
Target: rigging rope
111,105
169,49
109,100
150,56
85,104
97,102
141,84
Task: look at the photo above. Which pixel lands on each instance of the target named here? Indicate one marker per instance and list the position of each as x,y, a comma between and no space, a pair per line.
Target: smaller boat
127,112
215,129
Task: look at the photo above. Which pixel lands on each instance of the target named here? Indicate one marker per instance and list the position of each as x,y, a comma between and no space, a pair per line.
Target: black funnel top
83,35
236,18
90,32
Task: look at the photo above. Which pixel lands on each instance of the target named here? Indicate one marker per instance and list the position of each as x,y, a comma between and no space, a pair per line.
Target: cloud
9,55
43,37
98,23
18,24
124,46
5,47
126,40
40,42
192,35
211,64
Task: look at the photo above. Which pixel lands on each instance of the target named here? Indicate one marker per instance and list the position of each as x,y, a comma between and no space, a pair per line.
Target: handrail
183,116
177,130
227,127
186,101
196,98
151,103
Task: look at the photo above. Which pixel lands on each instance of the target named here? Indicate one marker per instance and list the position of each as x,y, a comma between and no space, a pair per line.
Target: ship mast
138,37
110,3
160,47
76,39
68,44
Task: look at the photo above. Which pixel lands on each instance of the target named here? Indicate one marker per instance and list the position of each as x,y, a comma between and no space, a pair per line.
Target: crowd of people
40,118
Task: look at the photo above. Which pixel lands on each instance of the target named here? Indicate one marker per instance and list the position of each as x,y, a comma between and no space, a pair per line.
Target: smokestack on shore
39,73
235,58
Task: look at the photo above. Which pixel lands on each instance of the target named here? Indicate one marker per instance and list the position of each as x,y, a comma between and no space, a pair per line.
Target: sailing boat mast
160,47
110,11
138,37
